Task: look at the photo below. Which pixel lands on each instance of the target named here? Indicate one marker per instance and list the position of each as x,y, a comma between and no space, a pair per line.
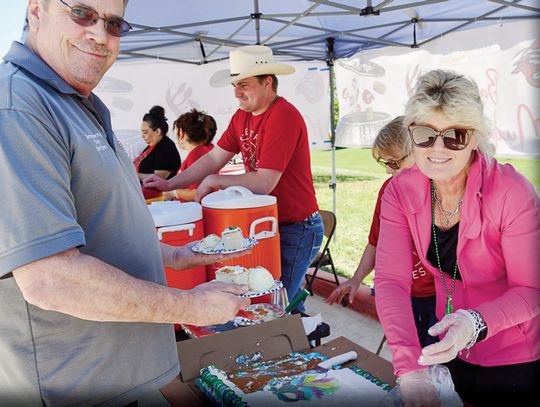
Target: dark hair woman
161,156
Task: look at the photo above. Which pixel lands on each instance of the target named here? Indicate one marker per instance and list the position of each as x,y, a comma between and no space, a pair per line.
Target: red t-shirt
193,156
423,285
276,139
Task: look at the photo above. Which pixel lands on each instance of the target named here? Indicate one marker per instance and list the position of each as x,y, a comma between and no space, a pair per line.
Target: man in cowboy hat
272,137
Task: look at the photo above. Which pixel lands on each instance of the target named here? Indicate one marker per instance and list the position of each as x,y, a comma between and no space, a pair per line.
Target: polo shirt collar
23,57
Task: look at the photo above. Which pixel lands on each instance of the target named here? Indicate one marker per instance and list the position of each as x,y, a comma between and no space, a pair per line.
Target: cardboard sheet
271,339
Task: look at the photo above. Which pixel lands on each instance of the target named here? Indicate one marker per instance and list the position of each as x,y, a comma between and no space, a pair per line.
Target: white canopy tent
206,30
309,34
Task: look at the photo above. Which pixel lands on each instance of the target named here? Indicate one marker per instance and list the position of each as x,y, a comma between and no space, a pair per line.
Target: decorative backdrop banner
131,88
372,88
504,60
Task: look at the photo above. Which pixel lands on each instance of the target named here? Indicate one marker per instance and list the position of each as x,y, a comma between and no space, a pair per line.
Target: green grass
358,179
529,168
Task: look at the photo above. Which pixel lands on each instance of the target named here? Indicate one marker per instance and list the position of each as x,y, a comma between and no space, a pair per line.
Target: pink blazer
498,257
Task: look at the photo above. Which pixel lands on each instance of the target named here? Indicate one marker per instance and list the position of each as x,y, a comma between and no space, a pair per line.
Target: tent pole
256,16
330,63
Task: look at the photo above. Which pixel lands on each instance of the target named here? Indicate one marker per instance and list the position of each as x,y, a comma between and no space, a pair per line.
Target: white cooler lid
168,213
236,197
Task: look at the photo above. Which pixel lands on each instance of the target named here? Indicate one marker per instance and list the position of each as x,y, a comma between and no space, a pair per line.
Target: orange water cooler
178,224
256,215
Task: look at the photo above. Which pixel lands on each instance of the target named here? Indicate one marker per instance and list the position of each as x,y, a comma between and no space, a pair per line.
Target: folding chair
383,340
324,258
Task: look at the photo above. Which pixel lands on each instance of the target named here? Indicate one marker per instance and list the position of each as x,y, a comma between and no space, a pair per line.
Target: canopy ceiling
203,31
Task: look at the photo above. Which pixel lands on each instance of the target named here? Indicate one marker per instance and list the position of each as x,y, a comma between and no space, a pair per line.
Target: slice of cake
260,279
232,238
233,274
264,311
210,242
296,378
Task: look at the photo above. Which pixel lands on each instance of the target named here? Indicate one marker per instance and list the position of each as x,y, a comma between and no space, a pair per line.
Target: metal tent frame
299,29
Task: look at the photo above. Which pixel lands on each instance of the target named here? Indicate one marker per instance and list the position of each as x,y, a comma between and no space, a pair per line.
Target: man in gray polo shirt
85,316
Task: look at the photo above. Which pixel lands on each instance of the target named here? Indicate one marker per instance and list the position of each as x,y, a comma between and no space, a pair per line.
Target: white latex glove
418,389
459,328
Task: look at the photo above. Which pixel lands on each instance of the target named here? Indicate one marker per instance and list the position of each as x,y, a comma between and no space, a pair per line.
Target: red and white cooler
256,215
178,224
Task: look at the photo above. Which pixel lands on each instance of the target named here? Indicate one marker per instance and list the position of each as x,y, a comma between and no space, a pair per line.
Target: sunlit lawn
359,178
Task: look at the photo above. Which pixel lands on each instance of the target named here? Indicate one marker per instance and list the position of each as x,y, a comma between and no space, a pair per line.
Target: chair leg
379,349
333,268
310,280
308,284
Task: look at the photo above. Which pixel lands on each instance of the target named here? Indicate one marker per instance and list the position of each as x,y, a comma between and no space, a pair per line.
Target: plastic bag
443,382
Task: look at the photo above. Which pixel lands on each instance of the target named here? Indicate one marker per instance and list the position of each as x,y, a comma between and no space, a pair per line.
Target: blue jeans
300,242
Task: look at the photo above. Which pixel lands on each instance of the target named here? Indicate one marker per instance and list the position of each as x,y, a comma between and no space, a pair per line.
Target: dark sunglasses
453,139
391,163
86,16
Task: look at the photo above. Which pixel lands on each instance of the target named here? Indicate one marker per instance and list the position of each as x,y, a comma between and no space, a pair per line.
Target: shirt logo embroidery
97,138
248,146
418,268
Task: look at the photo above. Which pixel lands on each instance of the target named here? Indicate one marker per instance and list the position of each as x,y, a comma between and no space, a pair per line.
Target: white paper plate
248,243
265,312
239,321
253,294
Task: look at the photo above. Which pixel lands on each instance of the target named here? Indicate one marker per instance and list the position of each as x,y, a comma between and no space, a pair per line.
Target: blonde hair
456,97
391,137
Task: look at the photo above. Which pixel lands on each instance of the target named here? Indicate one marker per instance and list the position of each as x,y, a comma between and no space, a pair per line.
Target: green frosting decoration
371,378
218,391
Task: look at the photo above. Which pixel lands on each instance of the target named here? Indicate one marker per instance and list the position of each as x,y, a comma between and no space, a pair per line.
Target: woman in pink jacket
476,225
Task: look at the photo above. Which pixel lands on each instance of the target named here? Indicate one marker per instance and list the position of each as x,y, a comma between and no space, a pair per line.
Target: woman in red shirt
195,131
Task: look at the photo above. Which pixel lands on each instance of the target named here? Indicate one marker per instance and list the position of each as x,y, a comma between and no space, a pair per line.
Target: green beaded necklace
449,306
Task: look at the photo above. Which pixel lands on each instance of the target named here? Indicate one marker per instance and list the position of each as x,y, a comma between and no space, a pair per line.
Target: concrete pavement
344,321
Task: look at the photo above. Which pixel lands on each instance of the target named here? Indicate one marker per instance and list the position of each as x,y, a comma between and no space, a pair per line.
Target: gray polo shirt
66,182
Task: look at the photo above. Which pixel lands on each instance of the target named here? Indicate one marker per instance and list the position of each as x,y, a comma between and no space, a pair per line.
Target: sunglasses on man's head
86,16
453,139
393,164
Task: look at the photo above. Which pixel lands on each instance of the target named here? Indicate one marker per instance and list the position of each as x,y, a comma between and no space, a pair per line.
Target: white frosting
232,270
350,388
210,242
232,238
260,279
220,374
231,229
233,274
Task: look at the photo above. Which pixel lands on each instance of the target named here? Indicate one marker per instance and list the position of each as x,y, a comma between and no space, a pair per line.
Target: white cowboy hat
248,61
